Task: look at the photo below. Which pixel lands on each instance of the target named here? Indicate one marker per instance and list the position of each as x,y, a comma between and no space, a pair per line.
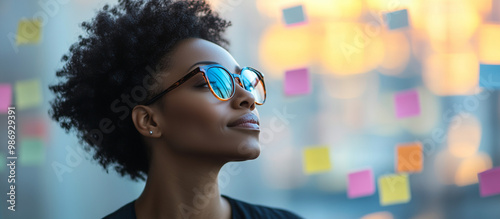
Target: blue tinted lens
252,83
220,82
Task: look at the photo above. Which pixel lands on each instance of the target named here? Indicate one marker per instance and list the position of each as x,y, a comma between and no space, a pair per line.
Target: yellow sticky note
29,31
31,151
394,189
317,159
28,93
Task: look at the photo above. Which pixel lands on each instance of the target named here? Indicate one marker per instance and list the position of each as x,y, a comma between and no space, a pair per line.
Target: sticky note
294,15
407,104
360,183
29,32
34,127
28,93
5,97
297,82
31,151
317,159
489,182
396,19
394,189
489,76
409,157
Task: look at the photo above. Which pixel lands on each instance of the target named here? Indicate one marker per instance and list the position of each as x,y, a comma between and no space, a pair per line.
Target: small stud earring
150,132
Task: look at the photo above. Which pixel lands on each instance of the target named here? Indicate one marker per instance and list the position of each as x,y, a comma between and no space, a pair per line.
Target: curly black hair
123,48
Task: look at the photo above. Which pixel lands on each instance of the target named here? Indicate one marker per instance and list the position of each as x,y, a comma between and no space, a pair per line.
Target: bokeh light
451,73
283,48
489,43
464,135
397,53
378,215
469,168
351,48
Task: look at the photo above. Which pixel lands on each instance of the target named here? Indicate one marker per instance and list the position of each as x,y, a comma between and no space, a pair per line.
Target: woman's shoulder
241,209
125,212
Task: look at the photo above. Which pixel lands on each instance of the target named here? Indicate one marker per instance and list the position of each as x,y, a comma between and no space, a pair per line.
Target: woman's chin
249,150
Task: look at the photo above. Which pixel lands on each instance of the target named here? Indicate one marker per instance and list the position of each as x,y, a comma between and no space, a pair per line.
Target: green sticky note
317,159
31,152
394,189
28,93
29,32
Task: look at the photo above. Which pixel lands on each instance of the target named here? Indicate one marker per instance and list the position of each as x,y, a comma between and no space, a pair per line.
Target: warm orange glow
449,24
451,73
464,135
397,53
379,215
334,9
284,48
489,44
350,48
470,167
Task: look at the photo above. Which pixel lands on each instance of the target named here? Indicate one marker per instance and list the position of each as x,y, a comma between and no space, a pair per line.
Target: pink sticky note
407,104
360,183
5,97
489,182
297,82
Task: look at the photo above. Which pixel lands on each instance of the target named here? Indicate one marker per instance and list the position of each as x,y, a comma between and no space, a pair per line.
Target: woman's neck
182,187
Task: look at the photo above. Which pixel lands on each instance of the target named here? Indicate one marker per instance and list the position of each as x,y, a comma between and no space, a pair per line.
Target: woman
151,90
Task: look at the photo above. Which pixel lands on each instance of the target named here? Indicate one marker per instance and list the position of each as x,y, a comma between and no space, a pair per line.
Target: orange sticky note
409,157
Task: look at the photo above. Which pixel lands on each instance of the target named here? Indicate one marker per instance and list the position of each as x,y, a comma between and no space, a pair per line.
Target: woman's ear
146,121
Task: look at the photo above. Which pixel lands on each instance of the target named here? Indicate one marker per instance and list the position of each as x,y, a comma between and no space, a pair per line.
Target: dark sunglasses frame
203,70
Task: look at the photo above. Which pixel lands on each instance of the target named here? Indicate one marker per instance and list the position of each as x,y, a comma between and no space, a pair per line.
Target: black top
239,210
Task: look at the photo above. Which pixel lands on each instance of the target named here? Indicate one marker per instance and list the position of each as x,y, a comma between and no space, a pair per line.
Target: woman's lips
248,121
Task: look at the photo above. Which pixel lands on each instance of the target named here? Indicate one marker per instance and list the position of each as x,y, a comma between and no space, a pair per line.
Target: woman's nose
242,98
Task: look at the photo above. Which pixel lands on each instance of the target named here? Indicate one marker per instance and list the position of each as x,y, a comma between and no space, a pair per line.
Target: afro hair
122,47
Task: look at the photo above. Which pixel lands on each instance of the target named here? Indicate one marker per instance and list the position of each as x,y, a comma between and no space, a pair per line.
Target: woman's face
192,120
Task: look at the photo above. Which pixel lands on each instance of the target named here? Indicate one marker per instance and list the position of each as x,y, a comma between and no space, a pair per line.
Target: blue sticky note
294,15
489,76
396,19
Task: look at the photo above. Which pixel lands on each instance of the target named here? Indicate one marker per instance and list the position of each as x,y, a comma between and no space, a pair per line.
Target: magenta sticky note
489,182
360,183
5,97
407,104
297,82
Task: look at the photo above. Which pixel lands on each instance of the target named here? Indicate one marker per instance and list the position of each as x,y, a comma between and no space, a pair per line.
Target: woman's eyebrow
236,68
202,62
